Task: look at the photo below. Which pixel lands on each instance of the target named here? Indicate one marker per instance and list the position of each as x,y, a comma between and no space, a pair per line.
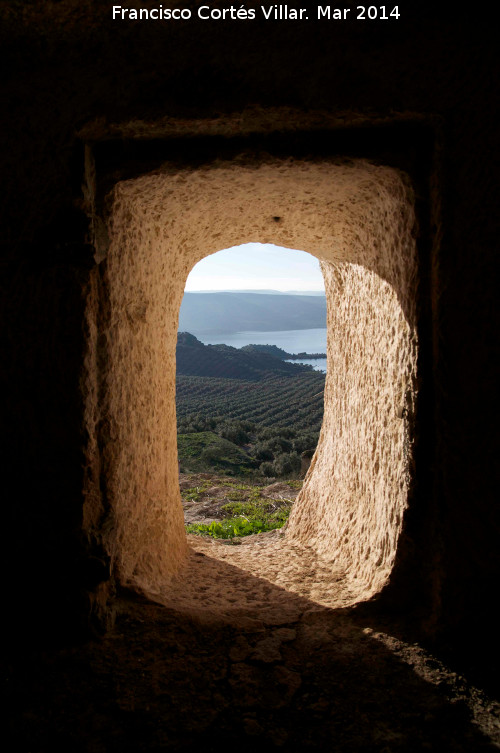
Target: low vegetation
239,508
241,448
206,450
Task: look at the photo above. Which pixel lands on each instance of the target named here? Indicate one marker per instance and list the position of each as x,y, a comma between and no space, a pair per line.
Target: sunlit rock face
357,218
74,79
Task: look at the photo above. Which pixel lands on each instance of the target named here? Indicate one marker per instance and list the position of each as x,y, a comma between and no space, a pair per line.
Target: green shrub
202,451
262,451
286,463
267,469
236,527
233,431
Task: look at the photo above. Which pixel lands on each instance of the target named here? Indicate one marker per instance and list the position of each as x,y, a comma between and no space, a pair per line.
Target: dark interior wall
65,64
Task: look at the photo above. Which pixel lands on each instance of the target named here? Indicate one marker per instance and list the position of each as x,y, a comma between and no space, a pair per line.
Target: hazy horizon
257,267
263,291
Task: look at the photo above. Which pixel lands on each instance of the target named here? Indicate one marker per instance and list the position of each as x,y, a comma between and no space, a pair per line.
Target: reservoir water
291,340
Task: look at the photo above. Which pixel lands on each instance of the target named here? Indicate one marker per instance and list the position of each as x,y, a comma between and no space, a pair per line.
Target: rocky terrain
162,680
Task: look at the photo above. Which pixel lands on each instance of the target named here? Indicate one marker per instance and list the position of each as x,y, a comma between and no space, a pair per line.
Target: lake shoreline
301,345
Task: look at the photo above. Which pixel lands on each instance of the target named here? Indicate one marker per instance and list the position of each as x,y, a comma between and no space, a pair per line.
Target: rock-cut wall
357,218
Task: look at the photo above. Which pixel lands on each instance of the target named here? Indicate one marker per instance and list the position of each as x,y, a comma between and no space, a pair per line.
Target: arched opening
357,218
251,366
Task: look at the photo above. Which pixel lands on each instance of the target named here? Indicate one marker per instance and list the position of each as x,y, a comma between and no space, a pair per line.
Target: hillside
273,350
242,412
206,450
243,311
224,361
275,401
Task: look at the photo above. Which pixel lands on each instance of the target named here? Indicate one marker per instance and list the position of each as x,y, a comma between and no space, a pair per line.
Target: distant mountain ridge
242,311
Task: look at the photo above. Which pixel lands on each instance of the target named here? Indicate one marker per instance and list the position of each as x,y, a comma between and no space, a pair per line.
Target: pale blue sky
257,266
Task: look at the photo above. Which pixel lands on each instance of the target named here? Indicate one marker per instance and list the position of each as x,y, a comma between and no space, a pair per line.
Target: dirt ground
230,658
264,575
212,492
164,680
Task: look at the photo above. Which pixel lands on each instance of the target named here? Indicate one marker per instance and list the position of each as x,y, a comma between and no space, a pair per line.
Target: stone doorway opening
358,219
251,364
